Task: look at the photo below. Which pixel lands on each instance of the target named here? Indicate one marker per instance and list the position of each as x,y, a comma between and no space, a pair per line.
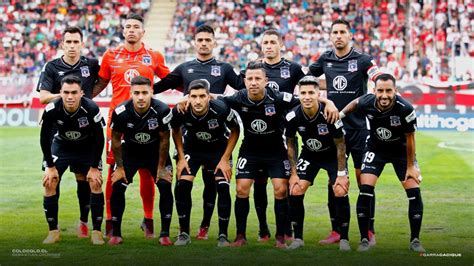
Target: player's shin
415,211
50,205
332,209
363,209
343,215
108,193
224,205
208,196
296,214
97,210
84,196
242,207
117,202
183,203
281,215
261,202
147,193
166,206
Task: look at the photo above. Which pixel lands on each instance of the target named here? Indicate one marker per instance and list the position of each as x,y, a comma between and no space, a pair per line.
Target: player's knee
280,191
81,177
95,186
297,191
242,191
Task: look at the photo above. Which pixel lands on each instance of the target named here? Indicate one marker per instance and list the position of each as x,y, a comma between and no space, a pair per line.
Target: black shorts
355,140
206,160
79,161
309,166
374,162
251,166
132,166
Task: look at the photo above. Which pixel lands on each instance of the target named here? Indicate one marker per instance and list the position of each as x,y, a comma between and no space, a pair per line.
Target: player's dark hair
309,80
73,29
385,77
204,28
341,21
198,84
140,80
71,79
273,32
256,65
136,17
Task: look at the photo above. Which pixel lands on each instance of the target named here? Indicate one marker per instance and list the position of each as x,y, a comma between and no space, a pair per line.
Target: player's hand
164,174
180,166
224,166
413,172
183,105
50,175
331,113
294,181
94,175
119,174
342,181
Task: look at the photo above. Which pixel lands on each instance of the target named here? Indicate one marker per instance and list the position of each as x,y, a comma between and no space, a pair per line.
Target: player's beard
388,102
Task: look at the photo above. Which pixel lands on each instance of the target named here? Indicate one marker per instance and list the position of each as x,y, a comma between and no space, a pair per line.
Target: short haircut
256,65
204,28
140,80
385,77
309,80
341,21
73,29
273,32
136,17
71,79
198,84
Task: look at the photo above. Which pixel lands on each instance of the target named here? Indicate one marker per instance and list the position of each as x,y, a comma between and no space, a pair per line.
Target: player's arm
163,156
342,178
349,108
99,86
316,69
46,135
46,96
98,133
178,143
330,110
45,85
173,80
104,74
412,171
224,164
292,157
119,172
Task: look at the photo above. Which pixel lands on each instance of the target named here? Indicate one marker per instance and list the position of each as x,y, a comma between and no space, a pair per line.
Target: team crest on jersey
323,129
213,123
152,123
216,71
352,66
285,72
146,60
85,72
270,110
395,121
83,122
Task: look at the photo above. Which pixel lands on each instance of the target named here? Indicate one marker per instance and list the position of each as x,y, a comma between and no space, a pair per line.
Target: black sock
372,214
415,211
117,206
50,205
332,209
166,206
224,205
208,196
281,215
261,202
363,209
296,214
84,196
97,210
343,215
242,208
183,203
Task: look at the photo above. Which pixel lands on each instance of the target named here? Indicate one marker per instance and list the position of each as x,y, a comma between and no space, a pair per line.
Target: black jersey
346,80
316,133
262,120
81,130
388,128
283,76
87,69
208,132
141,138
219,75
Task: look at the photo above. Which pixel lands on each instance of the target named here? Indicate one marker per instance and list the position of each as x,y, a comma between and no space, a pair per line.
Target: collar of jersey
205,62
141,116
276,64
71,66
73,114
308,118
259,102
201,117
344,57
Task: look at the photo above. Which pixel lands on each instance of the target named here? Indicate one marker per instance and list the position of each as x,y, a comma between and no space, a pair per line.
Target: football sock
108,193
166,206
242,208
343,215
296,214
363,209
183,203
261,203
97,210
147,192
372,214
332,209
281,215
84,196
208,196
224,205
117,202
50,205
415,211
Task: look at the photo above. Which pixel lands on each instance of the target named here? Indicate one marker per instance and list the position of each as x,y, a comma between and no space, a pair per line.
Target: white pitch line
445,145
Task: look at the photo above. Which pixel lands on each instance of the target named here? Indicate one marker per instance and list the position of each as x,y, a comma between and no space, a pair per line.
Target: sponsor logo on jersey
258,125
323,129
339,83
395,121
130,74
411,117
73,135
142,137
352,65
313,144
98,117
152,123
285,72
273,85
83,122
383,133
146,60
215,71
213,123
203,135
290,115
85,72
49,107
270,110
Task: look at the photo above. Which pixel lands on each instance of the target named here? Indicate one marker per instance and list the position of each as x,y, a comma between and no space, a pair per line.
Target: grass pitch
447,233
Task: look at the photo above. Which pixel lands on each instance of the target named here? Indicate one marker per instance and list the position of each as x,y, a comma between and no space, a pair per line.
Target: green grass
447,226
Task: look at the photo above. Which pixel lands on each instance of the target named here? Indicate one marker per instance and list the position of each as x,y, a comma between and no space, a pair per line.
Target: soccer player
261,111
78,144
347,71
49,86
220,75
120,65
392,140
206,124
323,148
143,124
